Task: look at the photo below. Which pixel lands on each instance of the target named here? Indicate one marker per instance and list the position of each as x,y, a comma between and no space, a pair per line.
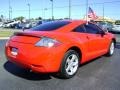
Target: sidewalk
2,38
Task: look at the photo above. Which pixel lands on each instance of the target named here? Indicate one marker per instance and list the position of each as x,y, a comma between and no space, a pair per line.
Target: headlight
47,42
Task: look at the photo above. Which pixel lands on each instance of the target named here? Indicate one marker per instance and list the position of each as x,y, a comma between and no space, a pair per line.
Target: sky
42,8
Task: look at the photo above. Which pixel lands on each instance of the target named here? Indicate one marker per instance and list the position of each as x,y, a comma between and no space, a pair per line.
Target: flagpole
87,11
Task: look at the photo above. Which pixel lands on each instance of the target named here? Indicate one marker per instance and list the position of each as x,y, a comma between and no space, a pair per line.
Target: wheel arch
114,40
77,49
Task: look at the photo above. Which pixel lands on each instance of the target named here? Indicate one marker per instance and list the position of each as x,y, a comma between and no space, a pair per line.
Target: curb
4,38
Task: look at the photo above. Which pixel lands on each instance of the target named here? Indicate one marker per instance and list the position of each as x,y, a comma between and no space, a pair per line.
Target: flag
91,14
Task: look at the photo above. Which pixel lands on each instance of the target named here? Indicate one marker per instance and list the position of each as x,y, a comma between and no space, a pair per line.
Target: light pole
69,9
10,12
103,11
87,11
29,9
45,9
9,9
52,10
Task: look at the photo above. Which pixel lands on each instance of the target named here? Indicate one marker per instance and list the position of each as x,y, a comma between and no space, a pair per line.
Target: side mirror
102,33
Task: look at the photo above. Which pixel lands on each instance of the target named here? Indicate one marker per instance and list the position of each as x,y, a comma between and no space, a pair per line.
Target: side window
91,28
79,29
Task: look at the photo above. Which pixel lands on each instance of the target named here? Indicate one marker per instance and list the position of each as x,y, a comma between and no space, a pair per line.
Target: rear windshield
50,26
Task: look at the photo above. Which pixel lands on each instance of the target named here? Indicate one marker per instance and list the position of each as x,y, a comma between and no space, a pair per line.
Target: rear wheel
111,49
70,64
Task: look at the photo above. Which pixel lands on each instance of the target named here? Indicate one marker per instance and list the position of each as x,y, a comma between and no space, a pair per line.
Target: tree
66,18
117,22
19,18
39,18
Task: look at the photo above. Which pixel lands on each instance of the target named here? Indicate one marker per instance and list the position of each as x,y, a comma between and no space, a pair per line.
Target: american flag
91,14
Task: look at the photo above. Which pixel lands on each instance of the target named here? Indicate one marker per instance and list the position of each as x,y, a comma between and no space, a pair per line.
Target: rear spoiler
26,34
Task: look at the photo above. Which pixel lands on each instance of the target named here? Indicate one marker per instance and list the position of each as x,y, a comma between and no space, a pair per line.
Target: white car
116,28
10,24
1,24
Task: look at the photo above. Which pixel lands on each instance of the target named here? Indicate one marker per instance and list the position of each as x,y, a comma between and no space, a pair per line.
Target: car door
82,39
96,41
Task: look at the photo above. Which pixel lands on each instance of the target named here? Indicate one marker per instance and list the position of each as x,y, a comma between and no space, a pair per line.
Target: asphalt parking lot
101,74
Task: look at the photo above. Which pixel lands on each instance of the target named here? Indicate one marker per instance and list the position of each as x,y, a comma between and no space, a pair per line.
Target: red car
59,46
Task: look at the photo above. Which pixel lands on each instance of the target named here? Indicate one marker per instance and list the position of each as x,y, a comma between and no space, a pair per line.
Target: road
101,74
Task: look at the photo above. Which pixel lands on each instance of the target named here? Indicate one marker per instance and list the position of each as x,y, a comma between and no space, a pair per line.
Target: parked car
11,24
106,26
24,25
116,29
7,24
27,25
1,24
33,24
59,46
42,22
38,23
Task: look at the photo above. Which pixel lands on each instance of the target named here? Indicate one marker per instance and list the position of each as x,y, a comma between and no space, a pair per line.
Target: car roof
74,21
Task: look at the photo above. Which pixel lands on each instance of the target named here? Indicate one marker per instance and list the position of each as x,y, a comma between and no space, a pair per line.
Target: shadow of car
26,74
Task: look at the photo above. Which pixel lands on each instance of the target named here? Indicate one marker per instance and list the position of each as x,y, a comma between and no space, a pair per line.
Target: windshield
50,26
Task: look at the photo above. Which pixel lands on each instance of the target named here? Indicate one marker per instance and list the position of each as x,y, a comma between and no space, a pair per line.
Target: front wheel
70,64
111,49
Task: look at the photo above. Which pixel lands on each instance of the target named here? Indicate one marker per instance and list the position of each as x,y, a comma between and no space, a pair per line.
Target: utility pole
9,9
45,9
52,9
103,11
10,12
87,11
69,9
29,9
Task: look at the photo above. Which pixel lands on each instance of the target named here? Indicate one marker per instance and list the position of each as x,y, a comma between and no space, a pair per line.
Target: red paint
45,59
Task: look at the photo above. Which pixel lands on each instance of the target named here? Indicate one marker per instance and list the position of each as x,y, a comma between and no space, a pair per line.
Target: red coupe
59,46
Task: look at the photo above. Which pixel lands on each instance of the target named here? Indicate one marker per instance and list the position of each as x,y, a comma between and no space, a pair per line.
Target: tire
111,49
70,64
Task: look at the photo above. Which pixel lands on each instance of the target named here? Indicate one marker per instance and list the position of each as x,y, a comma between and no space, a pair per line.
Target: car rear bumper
37,59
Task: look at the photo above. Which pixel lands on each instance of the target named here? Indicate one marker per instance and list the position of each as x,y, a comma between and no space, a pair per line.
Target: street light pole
103,11
10,12
69,9
52,10
29,9
87,11
9,9
45,9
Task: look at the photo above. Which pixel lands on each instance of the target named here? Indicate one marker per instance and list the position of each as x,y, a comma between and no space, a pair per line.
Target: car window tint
79,29
91,28
49,26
